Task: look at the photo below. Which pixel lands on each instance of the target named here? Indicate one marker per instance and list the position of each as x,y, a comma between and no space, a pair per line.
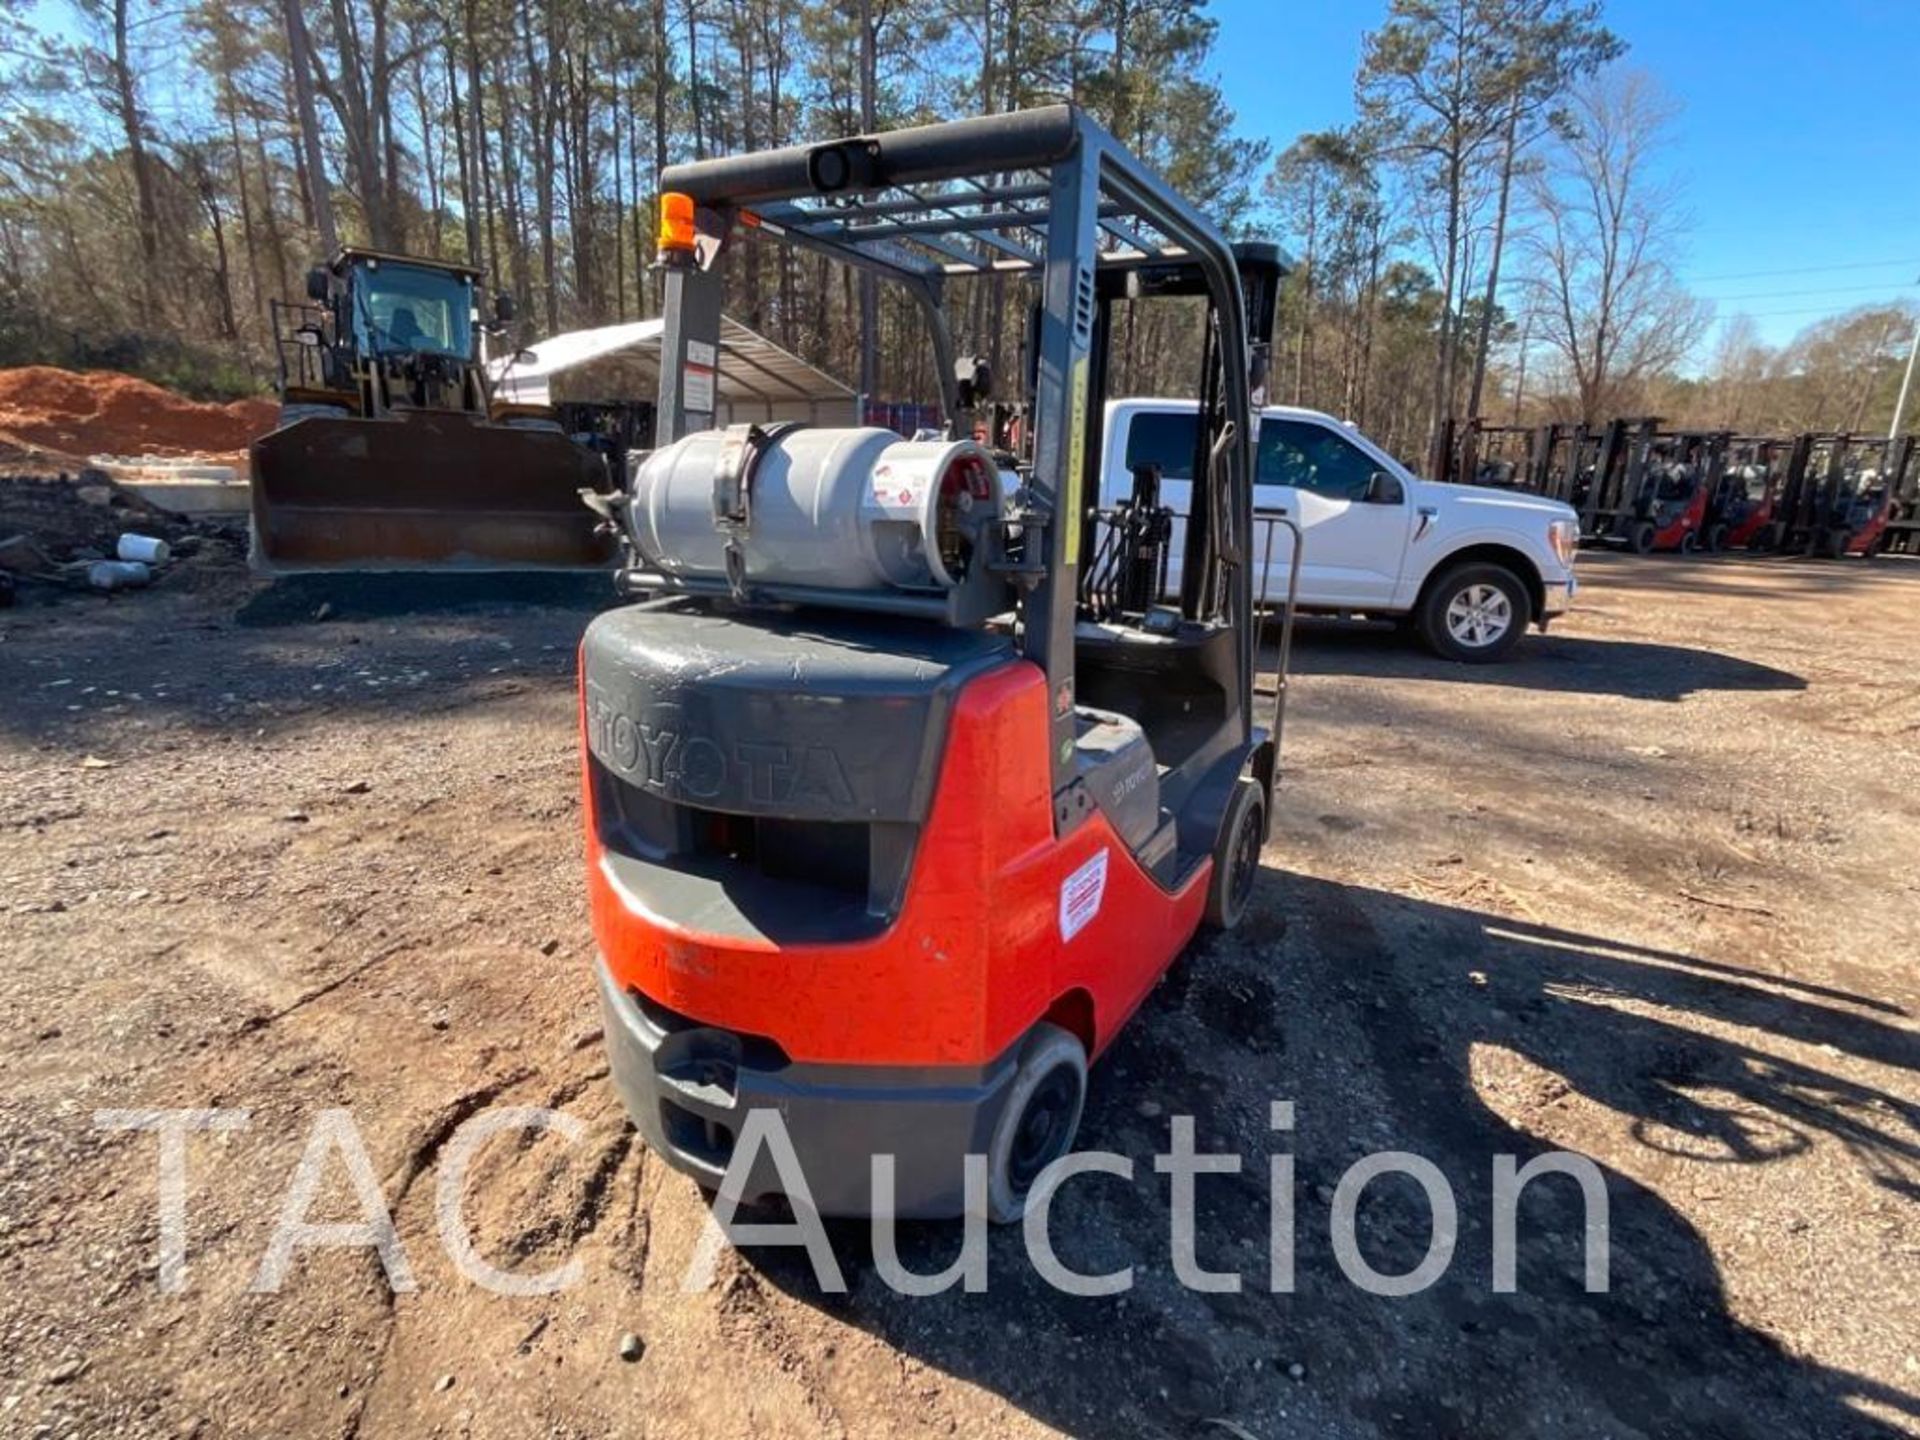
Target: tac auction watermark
334,1157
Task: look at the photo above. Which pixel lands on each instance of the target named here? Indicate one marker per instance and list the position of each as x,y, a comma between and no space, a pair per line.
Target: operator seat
405,329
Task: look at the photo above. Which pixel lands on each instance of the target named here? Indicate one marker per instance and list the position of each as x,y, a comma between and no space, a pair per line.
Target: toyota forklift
1878,472
1742,508
1618,498
1900,532
1687,472
898,804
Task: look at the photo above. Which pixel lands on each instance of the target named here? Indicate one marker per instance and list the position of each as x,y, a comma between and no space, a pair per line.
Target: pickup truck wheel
1475,613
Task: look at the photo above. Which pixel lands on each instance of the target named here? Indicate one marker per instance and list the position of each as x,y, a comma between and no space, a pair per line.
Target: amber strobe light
676,224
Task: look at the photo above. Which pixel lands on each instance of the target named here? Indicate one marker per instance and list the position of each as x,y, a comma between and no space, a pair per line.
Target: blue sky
1798,143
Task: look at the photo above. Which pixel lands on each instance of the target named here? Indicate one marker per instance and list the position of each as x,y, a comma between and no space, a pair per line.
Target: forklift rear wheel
1236,855
1475,613
1640,538
1039,1122
1689,542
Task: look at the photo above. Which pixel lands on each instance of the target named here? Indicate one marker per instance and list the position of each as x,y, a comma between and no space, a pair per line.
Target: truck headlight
1563,537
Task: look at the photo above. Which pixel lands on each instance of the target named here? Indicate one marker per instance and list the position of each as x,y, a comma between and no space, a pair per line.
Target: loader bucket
423,490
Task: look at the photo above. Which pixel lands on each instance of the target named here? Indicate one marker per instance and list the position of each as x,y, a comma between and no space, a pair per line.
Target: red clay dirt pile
53,418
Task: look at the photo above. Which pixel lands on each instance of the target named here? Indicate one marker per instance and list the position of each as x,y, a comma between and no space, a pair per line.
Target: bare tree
1610,306
1430,87
1549,45
1739,364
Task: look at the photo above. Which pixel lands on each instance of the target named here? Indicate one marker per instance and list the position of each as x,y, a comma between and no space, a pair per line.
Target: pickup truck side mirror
1384,489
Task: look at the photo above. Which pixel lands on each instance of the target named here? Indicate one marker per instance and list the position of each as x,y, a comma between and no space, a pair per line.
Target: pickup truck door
1356,534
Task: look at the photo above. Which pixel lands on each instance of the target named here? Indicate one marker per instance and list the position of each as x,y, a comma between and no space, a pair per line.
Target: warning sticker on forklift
696,387
1080,895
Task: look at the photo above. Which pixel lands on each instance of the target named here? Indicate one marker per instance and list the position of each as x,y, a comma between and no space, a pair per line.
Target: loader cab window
400,310
1311,457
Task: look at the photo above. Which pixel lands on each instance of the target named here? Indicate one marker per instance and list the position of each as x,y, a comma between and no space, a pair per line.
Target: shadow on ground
1371,1032
292,653
297,599
1631,669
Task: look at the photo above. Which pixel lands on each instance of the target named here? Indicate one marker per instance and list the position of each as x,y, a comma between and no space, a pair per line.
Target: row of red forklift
1644,489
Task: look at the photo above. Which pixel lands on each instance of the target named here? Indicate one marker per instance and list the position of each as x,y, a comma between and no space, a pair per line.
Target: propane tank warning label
899,488
1081,894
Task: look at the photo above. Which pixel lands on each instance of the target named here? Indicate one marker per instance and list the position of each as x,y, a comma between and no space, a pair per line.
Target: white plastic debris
145,549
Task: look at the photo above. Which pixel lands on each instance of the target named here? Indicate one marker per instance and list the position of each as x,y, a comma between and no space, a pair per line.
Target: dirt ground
1649,892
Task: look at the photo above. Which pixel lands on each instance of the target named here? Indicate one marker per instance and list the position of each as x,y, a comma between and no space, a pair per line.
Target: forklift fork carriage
896,845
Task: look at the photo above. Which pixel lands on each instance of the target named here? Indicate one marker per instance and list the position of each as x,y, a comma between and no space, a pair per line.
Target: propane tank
822,509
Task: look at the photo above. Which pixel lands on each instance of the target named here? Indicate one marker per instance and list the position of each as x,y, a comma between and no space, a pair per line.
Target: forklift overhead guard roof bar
881,201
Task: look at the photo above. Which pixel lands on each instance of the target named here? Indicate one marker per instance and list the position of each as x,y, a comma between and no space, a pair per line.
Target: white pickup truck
1469,568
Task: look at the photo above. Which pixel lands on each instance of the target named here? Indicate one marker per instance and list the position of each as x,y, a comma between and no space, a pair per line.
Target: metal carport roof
757,378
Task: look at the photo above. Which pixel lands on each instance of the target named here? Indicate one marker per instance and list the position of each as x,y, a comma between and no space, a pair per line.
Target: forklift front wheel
1640,538
1236,856
1716,538
1038,1122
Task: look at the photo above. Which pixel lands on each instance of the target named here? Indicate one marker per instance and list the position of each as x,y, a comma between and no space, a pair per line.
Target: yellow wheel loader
391,453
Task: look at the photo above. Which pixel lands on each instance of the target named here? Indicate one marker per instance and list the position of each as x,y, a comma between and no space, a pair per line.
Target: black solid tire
1716,538
1833,544
1039,1120
1236,855
1440,594
1640,537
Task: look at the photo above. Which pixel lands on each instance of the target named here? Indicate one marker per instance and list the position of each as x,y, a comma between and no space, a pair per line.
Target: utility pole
319,191
1520,383
1900,405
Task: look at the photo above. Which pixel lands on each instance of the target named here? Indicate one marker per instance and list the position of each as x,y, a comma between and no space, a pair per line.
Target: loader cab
381,332
397,308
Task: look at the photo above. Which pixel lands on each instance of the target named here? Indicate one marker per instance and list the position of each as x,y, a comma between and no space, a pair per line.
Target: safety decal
1080,895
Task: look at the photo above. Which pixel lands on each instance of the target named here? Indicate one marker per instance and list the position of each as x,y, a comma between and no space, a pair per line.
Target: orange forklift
892,820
